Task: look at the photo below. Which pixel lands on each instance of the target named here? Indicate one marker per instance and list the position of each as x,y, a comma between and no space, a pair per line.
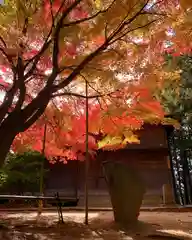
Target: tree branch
21,84
37,57
3,41
44,96
77,95
132,30
18,84
8,100
32,118
45,46
127,22
79,68
48,41
90,57
99,95
9,59
57,33
86,19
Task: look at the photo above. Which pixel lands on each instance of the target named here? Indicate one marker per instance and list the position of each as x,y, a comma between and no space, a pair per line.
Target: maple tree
49,46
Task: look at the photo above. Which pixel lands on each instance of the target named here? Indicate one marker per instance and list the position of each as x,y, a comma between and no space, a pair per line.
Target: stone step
96,201
104,201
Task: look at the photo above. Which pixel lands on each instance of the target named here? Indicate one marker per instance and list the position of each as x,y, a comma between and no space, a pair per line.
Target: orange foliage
66,129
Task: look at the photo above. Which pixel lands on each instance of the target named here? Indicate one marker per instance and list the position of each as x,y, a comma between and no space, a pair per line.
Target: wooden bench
56,200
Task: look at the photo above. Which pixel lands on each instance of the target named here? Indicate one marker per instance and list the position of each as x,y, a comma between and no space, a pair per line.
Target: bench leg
59,208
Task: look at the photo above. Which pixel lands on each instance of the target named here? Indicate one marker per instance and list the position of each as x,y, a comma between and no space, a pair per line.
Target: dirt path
25,226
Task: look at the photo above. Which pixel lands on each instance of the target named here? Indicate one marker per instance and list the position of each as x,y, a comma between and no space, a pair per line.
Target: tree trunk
169,133
188,176
126,190
7,137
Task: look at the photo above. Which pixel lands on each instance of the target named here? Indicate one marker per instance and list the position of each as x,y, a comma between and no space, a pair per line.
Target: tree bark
19,121
126,190
169,134
7,133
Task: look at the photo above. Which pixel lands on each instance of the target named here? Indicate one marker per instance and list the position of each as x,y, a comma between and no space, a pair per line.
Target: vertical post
42,171
76,178
86,156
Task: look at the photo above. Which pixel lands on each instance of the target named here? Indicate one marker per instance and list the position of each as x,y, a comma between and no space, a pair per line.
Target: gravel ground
26,226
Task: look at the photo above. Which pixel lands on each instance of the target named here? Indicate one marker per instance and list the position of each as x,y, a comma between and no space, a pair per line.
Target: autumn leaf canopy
49,49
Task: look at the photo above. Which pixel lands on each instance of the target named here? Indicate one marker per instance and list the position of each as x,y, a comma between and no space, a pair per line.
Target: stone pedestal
126,191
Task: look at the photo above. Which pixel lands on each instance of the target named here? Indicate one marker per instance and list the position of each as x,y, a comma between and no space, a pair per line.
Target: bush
21,172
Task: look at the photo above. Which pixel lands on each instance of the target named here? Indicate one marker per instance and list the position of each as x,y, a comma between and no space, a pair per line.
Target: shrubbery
21,173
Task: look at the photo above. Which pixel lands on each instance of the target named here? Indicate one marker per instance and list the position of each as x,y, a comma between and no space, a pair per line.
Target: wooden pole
86,157
42,171
76,178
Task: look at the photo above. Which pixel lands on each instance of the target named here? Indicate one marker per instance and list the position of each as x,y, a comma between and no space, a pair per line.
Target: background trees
176,94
